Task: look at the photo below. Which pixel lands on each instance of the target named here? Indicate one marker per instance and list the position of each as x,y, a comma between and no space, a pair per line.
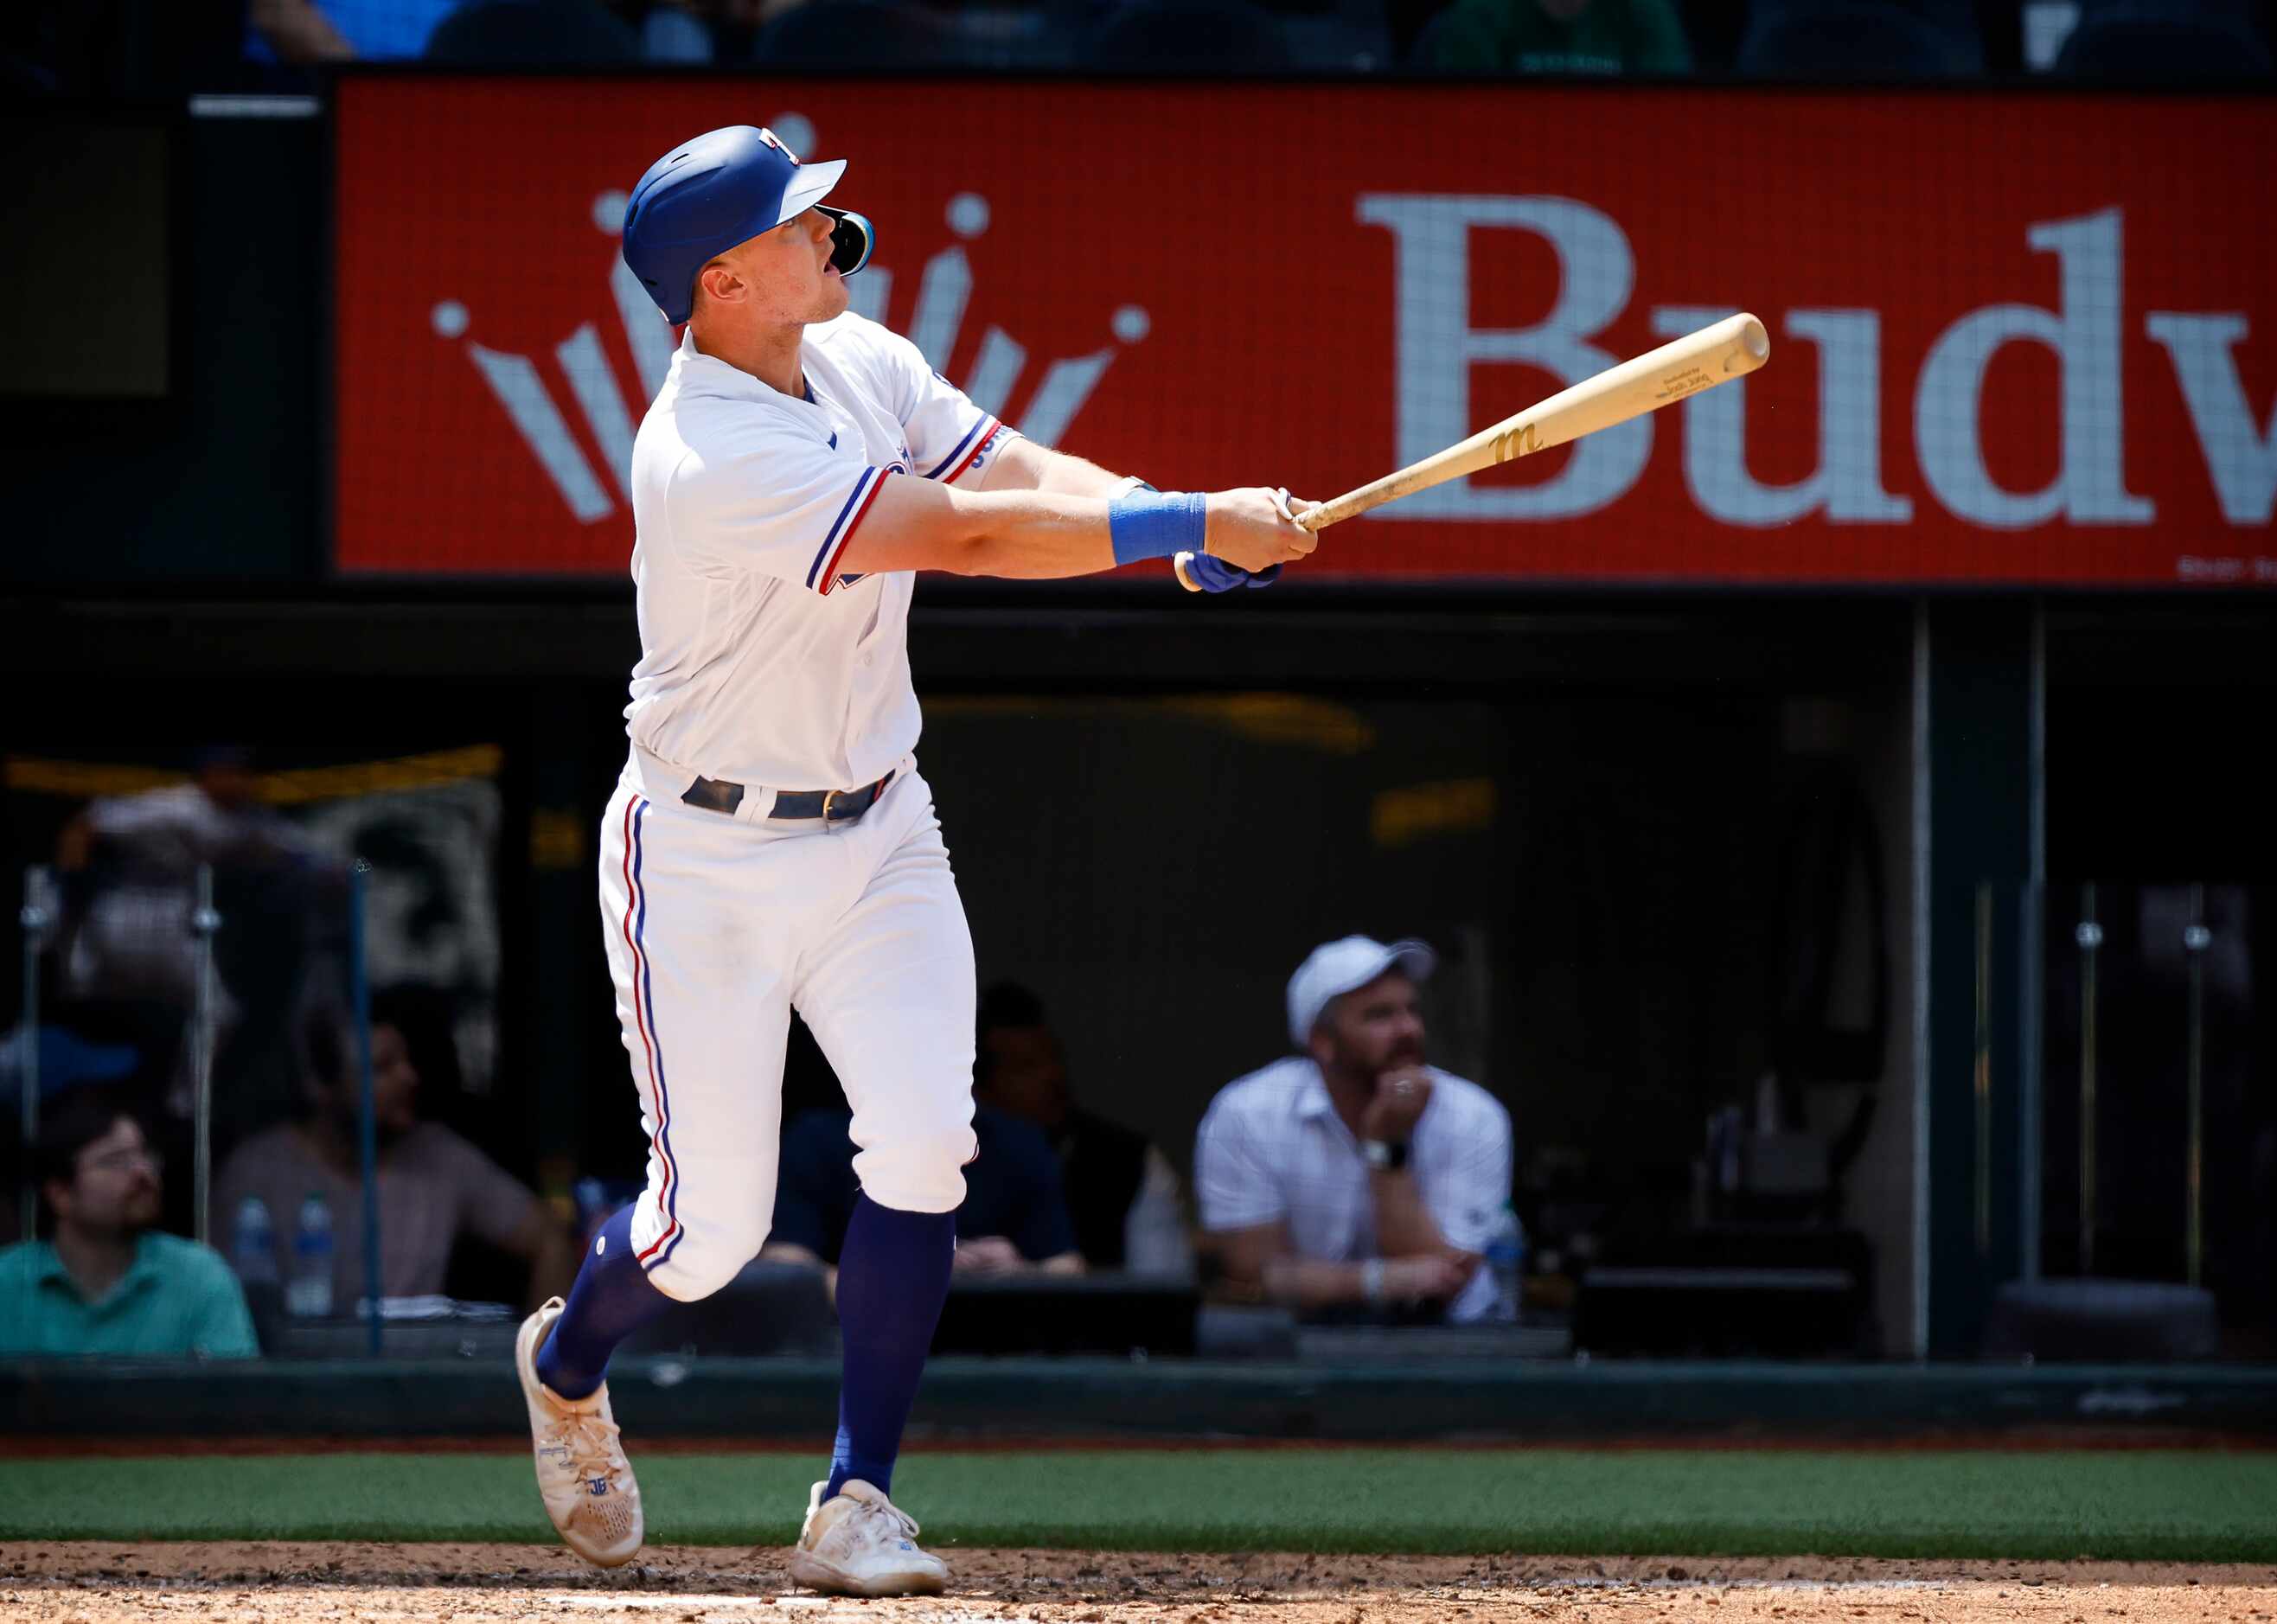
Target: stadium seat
2164,41
1861,39
532,34
1188,36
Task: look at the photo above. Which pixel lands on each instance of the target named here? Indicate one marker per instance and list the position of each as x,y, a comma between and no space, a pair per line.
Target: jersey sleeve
950,438
773,501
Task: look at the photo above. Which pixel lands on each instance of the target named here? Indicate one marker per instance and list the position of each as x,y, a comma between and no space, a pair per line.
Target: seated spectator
1013,1220
109,1283
1556,36
434,1185
1351,1174
1121,1191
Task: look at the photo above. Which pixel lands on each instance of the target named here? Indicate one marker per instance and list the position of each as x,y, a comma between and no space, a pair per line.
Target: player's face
789,274
1375,1027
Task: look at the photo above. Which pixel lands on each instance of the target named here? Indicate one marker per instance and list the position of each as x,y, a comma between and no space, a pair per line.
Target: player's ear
719,279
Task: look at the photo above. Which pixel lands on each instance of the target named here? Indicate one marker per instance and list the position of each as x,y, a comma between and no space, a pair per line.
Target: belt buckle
828,796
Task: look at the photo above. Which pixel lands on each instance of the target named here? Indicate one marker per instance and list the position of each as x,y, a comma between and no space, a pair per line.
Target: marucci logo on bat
610,407
1518,442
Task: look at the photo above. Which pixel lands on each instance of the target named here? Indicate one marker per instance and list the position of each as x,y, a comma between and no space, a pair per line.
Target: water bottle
253,1244
1506,1261
310,1293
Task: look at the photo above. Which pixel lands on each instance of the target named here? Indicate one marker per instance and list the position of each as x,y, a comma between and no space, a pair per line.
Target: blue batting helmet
724,187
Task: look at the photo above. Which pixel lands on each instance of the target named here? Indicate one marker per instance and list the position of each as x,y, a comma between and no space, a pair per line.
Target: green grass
2205,1506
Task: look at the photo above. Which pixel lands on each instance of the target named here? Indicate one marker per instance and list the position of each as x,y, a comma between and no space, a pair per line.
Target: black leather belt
831,805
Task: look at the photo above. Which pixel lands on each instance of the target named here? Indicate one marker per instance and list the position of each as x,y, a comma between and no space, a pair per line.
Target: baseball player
772,844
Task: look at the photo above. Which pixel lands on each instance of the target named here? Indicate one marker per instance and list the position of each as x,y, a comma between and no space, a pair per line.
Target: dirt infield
93,1584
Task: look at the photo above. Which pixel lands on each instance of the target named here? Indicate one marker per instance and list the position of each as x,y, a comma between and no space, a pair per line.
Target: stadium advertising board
2022,338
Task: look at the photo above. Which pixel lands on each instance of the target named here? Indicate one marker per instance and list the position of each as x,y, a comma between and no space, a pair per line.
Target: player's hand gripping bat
1730,348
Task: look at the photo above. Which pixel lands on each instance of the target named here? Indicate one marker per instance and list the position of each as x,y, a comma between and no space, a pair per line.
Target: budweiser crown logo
611,408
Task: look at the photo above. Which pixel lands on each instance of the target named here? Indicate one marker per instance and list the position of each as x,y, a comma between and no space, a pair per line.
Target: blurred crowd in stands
191,971
157,48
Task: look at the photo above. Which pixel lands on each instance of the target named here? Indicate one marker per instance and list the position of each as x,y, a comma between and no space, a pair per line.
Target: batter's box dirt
101,1583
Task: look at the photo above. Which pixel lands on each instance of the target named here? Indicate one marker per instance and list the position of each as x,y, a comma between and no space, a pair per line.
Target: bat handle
1314,519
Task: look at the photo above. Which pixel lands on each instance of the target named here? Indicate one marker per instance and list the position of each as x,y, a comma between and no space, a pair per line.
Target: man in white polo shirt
772,845
1351,1172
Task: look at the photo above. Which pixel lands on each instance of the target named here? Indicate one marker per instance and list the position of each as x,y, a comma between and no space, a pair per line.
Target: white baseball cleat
582,1475
859,1543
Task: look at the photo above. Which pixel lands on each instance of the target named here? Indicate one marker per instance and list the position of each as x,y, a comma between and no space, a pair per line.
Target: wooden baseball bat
1727,349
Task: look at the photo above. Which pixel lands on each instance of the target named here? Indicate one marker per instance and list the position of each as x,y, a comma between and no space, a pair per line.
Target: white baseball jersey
1272,1148
765,665
761,662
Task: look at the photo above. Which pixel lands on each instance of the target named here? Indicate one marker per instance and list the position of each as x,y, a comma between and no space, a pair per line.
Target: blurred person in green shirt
1556,36
108,1283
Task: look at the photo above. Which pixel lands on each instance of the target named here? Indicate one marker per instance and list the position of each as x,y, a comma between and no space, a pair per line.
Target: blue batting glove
1214,574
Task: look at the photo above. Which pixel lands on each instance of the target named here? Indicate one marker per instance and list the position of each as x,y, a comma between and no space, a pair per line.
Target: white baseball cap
1335,968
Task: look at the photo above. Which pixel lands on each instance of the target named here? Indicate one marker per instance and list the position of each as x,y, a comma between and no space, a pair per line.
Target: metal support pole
204,924
2090,937
1983,1070
36,916
366,1128
2195,939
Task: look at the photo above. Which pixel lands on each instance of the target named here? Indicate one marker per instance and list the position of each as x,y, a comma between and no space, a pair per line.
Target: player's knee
710,1261
917,1170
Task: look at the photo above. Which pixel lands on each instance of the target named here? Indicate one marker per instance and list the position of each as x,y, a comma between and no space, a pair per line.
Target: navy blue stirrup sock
893,1277
611,1299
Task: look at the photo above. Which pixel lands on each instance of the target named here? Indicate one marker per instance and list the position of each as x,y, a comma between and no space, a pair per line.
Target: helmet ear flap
852,239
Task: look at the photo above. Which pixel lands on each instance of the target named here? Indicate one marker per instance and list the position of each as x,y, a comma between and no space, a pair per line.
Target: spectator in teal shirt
109,1284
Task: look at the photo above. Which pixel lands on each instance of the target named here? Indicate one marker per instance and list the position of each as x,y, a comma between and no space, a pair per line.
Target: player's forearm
1403,1225
1031,536
1074,476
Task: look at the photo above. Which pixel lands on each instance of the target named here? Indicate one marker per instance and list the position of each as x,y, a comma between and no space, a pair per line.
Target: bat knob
1179,567
1754,346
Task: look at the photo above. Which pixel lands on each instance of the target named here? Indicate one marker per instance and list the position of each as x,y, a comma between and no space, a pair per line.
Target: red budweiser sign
2014,338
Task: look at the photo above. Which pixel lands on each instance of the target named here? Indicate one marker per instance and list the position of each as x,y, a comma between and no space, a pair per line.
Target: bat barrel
1714,354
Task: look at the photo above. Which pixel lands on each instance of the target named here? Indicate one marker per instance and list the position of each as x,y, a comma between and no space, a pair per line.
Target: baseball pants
718,926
